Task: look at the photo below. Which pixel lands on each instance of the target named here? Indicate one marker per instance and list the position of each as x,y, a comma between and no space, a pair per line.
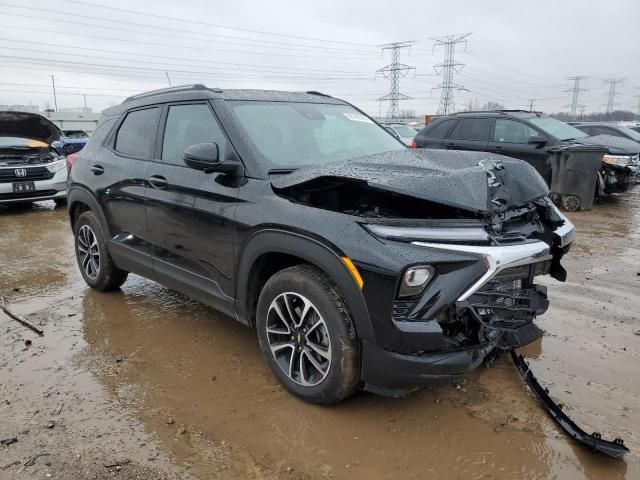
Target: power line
165,57
575,92
271,44
394,71
207,24
611,92
447,69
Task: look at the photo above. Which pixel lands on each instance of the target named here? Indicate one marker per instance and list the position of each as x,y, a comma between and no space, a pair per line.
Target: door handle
451,145
156,181
97,169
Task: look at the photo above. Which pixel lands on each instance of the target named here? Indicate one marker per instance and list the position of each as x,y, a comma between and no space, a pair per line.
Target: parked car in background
529,136
72,141
404,132
31,168
592,129
361,263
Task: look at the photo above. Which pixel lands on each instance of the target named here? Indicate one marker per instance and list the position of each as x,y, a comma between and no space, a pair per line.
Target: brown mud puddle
191,388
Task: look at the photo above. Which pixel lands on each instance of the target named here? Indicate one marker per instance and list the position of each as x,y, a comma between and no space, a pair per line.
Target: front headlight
59,164
440,234
617,160
415,279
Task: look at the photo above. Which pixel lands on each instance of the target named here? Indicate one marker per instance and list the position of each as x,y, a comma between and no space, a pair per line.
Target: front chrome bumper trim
501,257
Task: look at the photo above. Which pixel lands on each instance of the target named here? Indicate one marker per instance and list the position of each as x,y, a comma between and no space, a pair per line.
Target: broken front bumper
463,314
592,441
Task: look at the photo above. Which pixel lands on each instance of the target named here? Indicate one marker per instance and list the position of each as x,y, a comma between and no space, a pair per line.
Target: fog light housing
415,279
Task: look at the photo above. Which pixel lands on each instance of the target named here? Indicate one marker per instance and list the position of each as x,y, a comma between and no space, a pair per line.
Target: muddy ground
145,383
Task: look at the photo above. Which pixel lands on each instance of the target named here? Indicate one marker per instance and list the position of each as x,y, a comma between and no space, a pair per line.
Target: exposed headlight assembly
415,279
617,160
430,234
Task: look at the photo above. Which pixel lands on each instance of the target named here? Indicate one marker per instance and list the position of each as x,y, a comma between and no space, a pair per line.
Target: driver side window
189,125
510,131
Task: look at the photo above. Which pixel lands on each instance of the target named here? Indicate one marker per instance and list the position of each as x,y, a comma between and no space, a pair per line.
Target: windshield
292,134
404,131
557,129
630,133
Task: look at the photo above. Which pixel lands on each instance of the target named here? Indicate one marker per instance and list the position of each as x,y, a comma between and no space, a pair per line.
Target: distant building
20,108
74,118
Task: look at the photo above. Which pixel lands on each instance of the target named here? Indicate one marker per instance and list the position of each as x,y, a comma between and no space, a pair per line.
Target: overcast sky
516,51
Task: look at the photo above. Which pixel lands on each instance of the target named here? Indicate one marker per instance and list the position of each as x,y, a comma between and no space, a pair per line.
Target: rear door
118,174
510,138
470,134
190,212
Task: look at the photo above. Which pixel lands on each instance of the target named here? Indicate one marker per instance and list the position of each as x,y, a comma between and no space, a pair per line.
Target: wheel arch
268,251
80,200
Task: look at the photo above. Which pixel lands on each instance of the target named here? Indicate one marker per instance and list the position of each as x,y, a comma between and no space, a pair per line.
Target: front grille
18,196
8,175
523,272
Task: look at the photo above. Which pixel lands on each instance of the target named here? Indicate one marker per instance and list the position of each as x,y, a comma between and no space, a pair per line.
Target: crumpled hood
476,181
28,125
615,145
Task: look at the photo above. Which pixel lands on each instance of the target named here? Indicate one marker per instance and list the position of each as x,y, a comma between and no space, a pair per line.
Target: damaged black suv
361,263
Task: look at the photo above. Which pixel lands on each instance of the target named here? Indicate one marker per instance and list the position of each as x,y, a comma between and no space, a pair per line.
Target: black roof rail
502,110
177,88
314,92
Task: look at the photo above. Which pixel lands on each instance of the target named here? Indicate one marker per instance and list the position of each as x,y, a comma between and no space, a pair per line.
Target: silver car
31,169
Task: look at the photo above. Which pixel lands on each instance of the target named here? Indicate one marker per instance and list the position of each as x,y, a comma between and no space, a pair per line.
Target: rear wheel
307,336
96,266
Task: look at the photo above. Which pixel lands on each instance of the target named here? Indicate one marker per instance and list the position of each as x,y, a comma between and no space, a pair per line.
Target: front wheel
307,336
96,266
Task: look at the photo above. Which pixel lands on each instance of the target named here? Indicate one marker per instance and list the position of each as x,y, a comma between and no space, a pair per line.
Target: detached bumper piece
594,441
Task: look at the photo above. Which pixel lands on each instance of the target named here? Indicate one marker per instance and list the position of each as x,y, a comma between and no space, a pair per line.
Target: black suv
529,136
360,262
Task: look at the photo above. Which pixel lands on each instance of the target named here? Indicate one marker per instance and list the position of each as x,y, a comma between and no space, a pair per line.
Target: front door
510,138
190,212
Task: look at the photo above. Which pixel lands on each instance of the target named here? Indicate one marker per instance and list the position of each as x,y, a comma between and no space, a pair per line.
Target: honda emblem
20,172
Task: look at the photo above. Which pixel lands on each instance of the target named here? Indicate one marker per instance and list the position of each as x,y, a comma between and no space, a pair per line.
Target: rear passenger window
137,134
472,129
510,131
441,129
189,125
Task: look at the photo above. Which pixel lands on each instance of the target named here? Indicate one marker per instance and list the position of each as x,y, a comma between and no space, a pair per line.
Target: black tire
106,276
343,373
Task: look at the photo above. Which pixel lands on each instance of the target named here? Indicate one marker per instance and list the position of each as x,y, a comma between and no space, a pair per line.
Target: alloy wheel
299,339
89,252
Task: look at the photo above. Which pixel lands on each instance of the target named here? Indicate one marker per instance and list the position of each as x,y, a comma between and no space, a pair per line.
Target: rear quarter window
136,136
440,129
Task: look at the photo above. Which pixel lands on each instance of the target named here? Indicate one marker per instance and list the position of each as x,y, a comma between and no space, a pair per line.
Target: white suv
31,169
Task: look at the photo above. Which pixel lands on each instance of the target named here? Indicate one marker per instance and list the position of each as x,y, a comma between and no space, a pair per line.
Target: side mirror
206,157
537,140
